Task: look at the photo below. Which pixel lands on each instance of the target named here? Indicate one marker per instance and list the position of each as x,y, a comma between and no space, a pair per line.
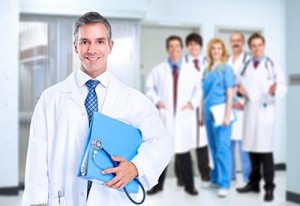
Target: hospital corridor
148,102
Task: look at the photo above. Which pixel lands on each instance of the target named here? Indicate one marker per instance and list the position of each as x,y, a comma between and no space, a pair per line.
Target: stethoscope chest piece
96,144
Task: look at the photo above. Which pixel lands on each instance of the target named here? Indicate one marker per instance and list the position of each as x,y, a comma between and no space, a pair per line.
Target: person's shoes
269,195
248,188
192,191
205,184
154,190
222,192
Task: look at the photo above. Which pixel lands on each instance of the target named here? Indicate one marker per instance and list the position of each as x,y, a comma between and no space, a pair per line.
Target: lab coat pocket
59,201
185,131
165,116
267,114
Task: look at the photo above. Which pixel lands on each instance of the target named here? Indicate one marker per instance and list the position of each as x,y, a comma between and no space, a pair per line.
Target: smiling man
173,86
60,125
261,84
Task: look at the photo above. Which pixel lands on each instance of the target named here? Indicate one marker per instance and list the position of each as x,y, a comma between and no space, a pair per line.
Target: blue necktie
91,101
91,105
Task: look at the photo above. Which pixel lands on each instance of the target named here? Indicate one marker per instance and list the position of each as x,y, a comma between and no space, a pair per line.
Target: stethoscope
97,146
268,65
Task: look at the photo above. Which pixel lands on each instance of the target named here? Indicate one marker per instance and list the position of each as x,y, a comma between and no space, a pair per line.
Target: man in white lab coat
173,87
237,60
60,125
194,43
261,83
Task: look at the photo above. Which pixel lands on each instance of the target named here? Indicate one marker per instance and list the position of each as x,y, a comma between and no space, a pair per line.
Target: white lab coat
201,141
259,115
237,128
159,87
58,133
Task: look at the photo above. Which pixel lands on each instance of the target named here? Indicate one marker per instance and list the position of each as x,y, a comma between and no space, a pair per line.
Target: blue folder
118,139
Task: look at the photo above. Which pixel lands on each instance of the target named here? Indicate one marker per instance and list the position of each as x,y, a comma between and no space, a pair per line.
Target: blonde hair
211,43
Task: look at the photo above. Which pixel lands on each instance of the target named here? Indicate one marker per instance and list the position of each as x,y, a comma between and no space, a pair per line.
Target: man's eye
101,42
83,42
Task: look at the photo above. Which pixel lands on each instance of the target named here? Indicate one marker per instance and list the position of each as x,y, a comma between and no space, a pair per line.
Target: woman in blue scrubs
218,84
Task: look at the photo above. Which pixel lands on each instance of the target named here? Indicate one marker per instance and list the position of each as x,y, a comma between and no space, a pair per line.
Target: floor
175,196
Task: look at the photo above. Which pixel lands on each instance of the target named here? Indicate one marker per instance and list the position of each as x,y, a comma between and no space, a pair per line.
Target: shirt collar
82,78
178,64
260,59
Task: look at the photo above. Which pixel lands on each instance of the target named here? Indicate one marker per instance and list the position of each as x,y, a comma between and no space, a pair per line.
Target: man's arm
196,94
156,150
36,174
153,155
151,88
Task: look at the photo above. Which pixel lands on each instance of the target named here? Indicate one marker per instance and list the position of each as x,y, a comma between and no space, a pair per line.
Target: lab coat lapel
113,91
71,87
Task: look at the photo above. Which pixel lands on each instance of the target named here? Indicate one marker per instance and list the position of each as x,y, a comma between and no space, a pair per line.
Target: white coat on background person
259,118
237,65
60,125
159,88
203,62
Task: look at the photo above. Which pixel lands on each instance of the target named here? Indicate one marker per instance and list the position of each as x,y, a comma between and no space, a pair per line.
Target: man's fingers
119,185
118,182
118,159
110,170
113,181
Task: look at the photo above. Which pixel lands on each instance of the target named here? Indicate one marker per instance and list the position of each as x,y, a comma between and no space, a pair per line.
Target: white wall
108,8
293,98
9,146
267,15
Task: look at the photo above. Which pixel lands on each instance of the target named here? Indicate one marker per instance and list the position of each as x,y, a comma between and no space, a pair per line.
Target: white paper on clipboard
218,113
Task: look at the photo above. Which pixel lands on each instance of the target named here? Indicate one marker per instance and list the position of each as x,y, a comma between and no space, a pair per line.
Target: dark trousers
262,163
203,162
202,154
183,169
161,179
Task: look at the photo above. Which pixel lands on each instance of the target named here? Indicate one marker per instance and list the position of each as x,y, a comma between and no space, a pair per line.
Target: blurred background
37,52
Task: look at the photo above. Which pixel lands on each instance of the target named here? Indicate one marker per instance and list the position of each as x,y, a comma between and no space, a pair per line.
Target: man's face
194,49
257,47
174,50
93,48
236,43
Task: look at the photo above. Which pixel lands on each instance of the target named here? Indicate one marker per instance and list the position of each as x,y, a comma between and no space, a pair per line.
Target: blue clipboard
118,139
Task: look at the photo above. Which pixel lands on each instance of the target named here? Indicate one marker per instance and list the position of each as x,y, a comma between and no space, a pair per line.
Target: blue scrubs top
215,83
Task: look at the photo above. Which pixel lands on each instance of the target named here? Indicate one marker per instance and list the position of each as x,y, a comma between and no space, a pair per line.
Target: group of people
193,90
61,119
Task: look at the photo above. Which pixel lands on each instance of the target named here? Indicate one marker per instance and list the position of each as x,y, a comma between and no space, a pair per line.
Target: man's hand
161,105
188,106
238,105
201,122
241,90
272,89
125,172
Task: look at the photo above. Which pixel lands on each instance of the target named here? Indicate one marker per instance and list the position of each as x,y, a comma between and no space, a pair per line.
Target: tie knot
196,64
256,63
92,84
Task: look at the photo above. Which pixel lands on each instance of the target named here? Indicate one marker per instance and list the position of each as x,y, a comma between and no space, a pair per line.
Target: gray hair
239,33
92,18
